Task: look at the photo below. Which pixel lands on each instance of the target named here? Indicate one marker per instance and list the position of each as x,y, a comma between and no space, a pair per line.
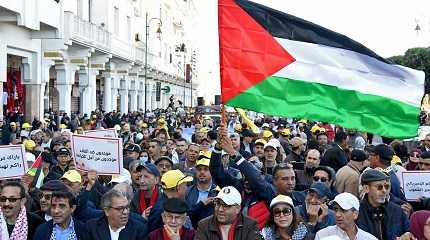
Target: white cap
281,199
123,177
346,201
230,196
270,144
265,125
29,157
275,141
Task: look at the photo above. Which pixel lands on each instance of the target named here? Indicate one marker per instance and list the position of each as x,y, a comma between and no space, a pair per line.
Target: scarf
3,227
142,202
72,234
166,235
20,230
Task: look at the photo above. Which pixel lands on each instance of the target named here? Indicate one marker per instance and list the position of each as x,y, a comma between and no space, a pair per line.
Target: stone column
133,100
65,79
107,95
123,93
115,87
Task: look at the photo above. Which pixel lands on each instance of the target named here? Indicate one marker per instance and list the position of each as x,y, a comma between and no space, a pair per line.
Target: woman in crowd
420,225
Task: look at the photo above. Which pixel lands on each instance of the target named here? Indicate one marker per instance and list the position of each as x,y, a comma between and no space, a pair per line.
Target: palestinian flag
36,172
279,64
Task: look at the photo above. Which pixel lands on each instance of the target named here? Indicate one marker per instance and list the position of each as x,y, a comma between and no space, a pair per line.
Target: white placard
96,153
105,133
416,184
12,161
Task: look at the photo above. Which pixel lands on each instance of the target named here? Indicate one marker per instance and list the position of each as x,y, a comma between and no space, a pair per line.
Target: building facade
76,56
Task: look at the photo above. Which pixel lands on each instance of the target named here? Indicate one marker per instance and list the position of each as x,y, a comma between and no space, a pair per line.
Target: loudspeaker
200,101
217,99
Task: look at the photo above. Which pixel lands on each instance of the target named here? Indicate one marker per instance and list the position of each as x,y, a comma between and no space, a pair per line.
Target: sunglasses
46,196
379,187
284,211
322,179
11,199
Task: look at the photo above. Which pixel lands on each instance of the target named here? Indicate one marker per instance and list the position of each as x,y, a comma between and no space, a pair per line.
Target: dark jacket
154,219
187,234
329,220
44,231
246,229
386,222
335,157
134,230
198,210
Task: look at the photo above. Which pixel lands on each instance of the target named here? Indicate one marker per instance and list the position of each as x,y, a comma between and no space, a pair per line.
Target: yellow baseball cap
267,134
396,160
203,162
72,176
285,132
204,130
29,144
315,128
161,121
260,141
204,154
26,125
304,121
173,178
63,126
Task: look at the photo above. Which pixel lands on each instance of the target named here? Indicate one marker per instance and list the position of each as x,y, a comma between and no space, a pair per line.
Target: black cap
63,151
163,158
358,155
384,151
133,148
54,185
373,175
47,157
247,133
175,205
321,189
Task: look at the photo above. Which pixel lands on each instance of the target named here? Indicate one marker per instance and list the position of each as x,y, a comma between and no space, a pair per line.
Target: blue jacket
134,230
197,210
389,217
44,231
329,220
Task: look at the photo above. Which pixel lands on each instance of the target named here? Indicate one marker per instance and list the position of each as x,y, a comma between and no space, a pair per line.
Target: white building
78,55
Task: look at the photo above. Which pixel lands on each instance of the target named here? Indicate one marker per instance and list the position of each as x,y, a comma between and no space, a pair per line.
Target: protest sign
96,153
12,161
416,184
106,133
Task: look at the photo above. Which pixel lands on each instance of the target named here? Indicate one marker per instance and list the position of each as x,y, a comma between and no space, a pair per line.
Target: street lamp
158,32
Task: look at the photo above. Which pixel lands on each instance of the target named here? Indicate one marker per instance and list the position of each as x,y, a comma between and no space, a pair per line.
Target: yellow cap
173,178
260,141
396,160
26,125
304,121
267,134
144,125
285,132
315,128
117,127
72,176
63,126
203,162
161,121
204,154
29,144
204,130
238,127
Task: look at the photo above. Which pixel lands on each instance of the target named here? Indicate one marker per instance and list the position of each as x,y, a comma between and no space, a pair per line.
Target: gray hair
106,201
125,189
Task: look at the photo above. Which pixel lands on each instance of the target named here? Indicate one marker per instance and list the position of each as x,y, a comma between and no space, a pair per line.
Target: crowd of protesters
187,176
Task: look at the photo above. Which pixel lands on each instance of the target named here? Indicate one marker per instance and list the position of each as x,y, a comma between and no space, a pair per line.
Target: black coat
335,157
44,231
134,230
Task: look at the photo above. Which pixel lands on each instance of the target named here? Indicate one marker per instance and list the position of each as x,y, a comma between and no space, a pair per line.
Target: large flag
279,64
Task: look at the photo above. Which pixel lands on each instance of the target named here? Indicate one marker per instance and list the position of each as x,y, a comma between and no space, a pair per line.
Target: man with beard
62,225
200,195
227,221
116,224
259,149
298,147
188,166
379,216
181,147
270,156
304,177
348,177
19,223
154,150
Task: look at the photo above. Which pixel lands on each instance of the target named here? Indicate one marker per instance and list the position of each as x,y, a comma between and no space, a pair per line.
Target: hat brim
186,179
228,201
344,206
317,191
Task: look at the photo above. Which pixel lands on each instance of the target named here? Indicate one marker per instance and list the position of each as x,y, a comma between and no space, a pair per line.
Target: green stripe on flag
351,109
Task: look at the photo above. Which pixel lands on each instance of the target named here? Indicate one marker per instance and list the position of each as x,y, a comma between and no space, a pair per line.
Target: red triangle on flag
248,53
38,162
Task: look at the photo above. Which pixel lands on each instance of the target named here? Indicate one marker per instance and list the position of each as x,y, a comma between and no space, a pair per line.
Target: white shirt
336,233
114,235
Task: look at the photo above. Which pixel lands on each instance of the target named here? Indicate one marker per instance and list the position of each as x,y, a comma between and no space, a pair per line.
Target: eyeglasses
379,187
121,209
322,179
46,196
173,217
219,204
167,165
11,199
284,211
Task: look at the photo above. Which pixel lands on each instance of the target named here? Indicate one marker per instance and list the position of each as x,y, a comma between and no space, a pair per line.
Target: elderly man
305,176
116,224
62,225
19,223
346,207
227,219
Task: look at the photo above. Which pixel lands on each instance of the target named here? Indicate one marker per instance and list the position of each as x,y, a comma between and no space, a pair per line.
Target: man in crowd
336,156
348,177
154,150
297,149
63,157
304,176
116,223
227,219
188,166
45,196
62,225
181,147
164,164
19,223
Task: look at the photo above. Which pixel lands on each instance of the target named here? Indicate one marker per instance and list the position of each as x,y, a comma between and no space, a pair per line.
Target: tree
416,58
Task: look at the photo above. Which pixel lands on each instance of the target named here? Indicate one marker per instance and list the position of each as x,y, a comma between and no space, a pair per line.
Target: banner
105,133
12,161
96,153
416,184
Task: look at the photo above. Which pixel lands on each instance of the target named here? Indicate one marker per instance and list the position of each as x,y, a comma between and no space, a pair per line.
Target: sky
384,26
